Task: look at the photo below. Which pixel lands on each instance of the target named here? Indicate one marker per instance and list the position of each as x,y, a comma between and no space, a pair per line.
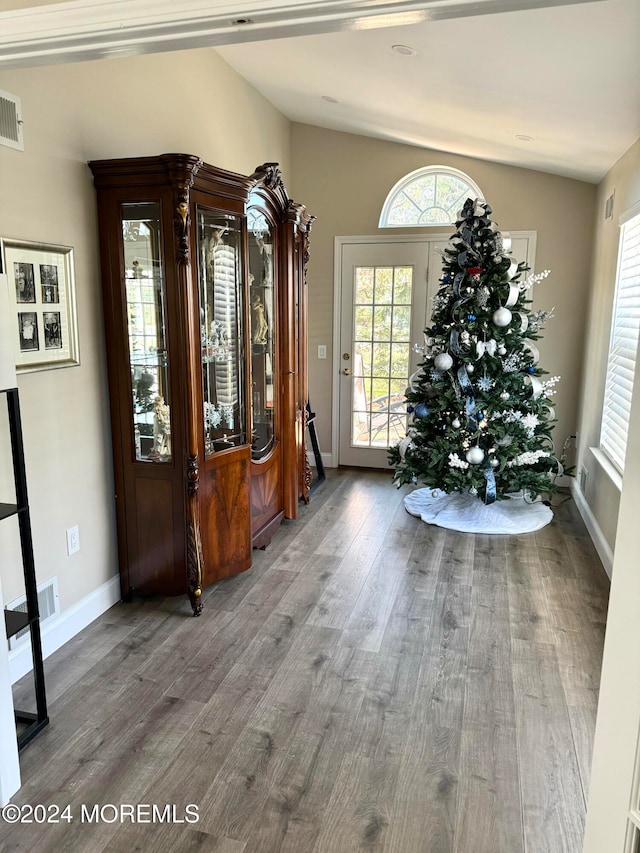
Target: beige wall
191,102
618,723
344,179
602,494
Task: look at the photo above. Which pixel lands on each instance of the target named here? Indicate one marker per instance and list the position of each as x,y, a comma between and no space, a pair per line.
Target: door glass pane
364,286
402,323
219,241
145,298
399,360
384,285
403,285
363,354
263,354
382,323
381,347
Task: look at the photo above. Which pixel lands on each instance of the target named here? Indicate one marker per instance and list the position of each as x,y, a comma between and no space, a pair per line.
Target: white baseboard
60,630
605,552
327,460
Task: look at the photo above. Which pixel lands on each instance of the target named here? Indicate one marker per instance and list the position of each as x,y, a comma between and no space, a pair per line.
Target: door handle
347,372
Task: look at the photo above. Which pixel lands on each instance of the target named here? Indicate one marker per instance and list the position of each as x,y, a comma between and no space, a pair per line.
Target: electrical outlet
322,350
73,540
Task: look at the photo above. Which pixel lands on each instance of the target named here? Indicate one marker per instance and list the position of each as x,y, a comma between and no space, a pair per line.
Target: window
623,346
429,196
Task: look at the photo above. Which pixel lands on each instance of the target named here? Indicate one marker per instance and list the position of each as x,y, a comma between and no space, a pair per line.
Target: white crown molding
95,29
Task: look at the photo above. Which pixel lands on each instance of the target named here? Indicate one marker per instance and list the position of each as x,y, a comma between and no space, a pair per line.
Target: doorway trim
434,235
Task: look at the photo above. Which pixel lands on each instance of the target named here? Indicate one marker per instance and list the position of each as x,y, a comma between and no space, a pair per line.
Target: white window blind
623,346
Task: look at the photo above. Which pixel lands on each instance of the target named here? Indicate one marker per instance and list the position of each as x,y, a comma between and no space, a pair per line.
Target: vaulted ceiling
552,85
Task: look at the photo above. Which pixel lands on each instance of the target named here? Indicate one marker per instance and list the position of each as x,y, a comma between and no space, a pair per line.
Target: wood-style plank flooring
372,683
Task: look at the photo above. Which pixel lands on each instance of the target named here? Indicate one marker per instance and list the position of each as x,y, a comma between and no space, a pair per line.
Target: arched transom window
429,196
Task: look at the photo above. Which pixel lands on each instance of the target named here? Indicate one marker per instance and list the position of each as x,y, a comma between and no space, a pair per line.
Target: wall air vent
10,121
48,606
608,206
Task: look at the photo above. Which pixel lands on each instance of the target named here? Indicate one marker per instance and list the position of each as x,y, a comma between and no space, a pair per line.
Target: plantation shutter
623,346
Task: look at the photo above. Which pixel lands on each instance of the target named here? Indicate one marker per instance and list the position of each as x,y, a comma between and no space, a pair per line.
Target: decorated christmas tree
480,414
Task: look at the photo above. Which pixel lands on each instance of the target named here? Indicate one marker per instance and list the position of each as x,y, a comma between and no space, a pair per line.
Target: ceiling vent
10,121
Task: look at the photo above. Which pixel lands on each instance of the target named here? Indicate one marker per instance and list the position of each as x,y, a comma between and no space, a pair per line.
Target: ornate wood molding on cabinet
204,283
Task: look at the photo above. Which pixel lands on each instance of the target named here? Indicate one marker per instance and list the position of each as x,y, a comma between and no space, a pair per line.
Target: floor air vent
48,607
10,121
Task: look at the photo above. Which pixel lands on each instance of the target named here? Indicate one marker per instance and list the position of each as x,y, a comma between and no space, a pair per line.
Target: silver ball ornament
502,350
475,455
494,463
455,423
469,368
443,361
504,395
502,317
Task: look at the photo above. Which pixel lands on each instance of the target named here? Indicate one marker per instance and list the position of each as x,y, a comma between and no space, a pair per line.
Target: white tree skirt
469,514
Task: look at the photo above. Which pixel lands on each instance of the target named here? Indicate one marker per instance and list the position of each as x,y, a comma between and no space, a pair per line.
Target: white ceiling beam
95,29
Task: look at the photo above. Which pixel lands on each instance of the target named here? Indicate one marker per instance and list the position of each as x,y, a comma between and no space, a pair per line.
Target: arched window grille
432,195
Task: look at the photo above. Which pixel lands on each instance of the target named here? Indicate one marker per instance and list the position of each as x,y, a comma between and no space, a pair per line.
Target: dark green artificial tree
481,416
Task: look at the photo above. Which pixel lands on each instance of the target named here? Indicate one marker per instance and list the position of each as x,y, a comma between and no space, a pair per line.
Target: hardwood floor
372,683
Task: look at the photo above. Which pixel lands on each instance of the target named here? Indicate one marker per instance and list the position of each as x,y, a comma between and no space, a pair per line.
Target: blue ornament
531,369
434,328
480,416
421,411
471,317
409,409
446,279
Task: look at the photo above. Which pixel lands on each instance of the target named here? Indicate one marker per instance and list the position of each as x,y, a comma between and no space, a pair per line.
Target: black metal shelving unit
30,724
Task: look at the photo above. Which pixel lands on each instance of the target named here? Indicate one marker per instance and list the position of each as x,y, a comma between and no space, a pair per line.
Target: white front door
383,313
387,287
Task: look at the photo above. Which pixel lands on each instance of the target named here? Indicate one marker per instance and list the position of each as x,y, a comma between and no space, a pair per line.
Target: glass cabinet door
262,303
219,242
146,314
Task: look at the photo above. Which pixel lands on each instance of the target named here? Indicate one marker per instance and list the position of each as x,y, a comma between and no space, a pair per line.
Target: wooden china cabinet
203,275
